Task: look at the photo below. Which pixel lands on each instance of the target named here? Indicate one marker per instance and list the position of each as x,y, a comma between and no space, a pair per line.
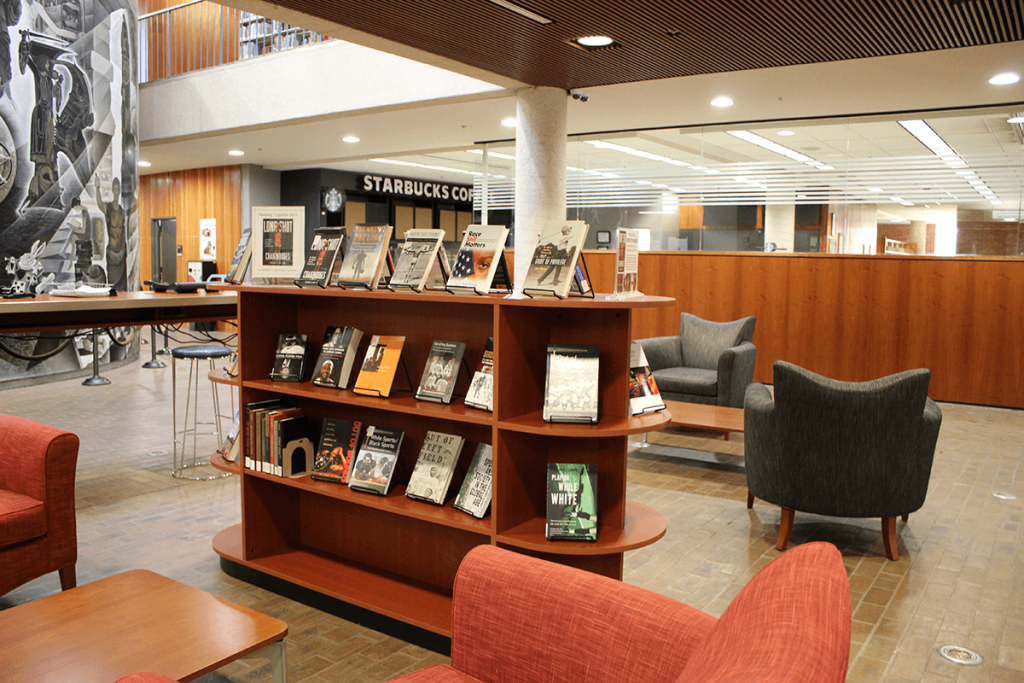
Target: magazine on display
571,388
378,371
337,356
480,256
374,467
365,256
337,451
441,372
571,502
321,259
417,260
435,466
644,396
552,269
475,495
290,359
481,388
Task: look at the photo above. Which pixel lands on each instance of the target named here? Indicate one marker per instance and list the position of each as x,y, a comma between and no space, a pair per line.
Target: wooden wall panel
188,37
190,196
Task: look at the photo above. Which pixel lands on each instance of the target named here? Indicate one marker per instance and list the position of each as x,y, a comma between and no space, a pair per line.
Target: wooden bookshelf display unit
398,556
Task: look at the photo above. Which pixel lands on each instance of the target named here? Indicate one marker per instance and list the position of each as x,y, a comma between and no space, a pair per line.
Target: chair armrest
517,618
662,352
761,447
735,373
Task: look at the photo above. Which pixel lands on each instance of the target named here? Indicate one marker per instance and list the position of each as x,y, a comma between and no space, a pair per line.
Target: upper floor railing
201,34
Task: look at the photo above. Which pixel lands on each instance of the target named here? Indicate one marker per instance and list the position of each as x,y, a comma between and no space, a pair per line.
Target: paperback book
337,356
435,466
378,456
378,372
441,371
229,449
571,502
571,387
322,255
481,388
644,396
552,269
417,259
338,443
475,495
236,260
479,257
365,256
290,359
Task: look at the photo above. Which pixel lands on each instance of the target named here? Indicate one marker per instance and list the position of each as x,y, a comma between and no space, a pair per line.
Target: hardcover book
240,273
271,454
475,495
337,356
440,270
417,259
441,371
322,255
337,451
250,426
378,371
378,456
236,260
290,359
365,256
478,258
435,466
644,396
571,388
571,502
481,389
229,449
552,269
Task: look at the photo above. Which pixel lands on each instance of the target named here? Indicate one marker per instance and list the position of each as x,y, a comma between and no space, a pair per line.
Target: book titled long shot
571,502
571,389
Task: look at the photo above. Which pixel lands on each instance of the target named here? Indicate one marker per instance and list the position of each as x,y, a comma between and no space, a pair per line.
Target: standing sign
627,262
279,241
208,239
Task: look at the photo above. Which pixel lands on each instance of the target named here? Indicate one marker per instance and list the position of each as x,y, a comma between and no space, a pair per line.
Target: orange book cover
378,371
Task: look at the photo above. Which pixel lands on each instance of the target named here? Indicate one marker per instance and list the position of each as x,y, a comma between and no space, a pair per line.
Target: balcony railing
201,34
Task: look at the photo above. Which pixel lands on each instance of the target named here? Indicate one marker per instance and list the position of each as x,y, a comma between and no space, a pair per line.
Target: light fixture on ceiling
496,155
595,41
786,133
236,153
876,190
721,101
509,122
145,164
522,11
350,138
1005,78
1015,119
601,144
413,164
767,144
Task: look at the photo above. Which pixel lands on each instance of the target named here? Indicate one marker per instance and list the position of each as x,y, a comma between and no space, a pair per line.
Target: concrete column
540,169
919,235
780,225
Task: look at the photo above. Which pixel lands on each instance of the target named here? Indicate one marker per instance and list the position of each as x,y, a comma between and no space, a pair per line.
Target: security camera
581,96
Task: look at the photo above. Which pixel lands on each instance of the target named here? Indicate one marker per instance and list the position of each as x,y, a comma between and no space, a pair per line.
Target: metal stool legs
180,467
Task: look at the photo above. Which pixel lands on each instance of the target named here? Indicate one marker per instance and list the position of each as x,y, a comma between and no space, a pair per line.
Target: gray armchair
842,449
708,362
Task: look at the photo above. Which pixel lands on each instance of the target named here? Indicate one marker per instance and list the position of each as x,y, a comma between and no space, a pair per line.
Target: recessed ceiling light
594,41
1015,119
145,164
509,122
785,133
350,138
721,102
236,153
1006,78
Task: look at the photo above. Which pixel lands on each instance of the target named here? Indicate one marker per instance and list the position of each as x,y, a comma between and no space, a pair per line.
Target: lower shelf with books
644,525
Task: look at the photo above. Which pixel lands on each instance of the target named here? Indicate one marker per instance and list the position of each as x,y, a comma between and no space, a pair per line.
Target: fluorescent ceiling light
896,199
785,133
995,202
876,190
522,11
1007,78
601,144
145,164
767,144
350,138
721,102
236,153
826,167
509,122
594,41
1015,119
445,169
496,155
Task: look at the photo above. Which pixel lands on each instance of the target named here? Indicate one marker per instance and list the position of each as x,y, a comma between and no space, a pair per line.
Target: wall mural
68,139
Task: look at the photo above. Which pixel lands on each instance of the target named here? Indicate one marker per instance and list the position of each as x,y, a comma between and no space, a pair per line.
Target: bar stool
194,354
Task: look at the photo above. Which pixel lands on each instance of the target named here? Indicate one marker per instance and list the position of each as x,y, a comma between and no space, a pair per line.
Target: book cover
337,356
365,255
440,270
416,259
320,260
250,426
236,260
239,274
481,388
478,257
441,371
378,371
644,396
571,502
290,358
271,445
475,495
229,449
337,451
378,456
435,466
279,241
571,387
552,269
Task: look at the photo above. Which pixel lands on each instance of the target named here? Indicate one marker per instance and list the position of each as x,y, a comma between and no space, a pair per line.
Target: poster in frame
279,235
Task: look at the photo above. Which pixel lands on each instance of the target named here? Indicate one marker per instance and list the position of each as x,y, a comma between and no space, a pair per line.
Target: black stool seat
201,352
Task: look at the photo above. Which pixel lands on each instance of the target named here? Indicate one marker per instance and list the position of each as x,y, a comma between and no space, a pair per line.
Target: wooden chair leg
905,517
889,538
750,499
67,577
785,529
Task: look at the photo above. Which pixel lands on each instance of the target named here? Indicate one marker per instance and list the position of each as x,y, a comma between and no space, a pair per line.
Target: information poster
279,249
208,239
627,262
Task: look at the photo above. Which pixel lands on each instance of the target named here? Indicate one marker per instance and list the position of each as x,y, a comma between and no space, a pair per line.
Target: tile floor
959,580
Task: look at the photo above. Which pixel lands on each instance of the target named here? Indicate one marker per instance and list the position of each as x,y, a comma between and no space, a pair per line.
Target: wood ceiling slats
713,37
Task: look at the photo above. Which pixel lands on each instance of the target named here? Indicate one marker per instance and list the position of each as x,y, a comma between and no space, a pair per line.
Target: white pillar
780,225
919,235
540,169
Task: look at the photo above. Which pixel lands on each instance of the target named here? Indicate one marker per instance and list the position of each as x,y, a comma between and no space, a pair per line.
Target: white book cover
416,259
478,257
553,265
644,396
571,390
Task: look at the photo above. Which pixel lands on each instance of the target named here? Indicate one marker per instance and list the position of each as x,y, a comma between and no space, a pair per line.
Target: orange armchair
38,532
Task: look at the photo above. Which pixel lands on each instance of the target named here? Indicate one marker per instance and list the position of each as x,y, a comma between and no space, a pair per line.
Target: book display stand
398,556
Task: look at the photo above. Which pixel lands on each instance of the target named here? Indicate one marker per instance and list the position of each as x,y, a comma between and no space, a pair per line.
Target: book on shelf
475,494
571,502
270,449
644,396
571,386
552,269
417,259
290,358
378,371
339,440
337,356
441,372
481,388
365,256
241,272
229,449
435,466
321,258
440,270
479,257
236,260
252,430
375,464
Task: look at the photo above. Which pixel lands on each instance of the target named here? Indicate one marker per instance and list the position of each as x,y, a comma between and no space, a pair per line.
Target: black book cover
337,355
441,371
337,451
320,262
377,459
290,359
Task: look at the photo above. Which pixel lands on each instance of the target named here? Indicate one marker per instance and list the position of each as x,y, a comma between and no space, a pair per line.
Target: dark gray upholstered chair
842,449
708,362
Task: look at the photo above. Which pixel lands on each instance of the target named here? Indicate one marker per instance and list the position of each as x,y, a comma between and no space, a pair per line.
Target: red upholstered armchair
519,619
38,533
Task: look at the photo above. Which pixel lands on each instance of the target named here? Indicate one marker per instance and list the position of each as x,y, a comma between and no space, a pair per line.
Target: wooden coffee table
712,418
135,621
